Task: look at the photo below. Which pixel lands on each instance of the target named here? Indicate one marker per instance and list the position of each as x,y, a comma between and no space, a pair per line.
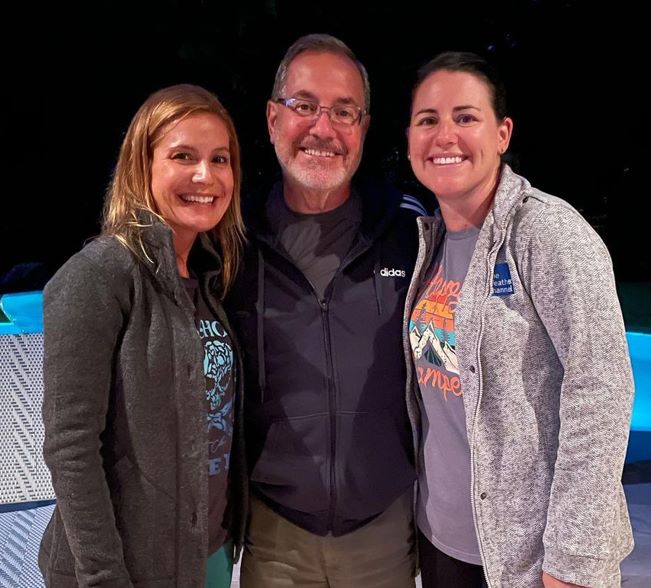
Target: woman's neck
461,211
458,216
182,247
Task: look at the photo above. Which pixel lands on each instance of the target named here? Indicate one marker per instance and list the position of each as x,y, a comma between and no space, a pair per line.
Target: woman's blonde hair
130,189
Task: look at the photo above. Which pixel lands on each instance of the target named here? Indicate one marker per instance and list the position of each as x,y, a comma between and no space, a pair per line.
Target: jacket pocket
375,464
292,469
145,518
54,553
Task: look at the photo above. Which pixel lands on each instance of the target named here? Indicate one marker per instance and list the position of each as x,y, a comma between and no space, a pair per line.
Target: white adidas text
385,272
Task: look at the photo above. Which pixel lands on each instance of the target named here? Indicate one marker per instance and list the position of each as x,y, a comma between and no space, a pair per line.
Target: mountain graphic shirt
444,513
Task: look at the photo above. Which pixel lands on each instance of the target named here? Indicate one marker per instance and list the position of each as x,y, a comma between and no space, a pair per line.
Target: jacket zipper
324,304
412,393
332,411
491,264
425,229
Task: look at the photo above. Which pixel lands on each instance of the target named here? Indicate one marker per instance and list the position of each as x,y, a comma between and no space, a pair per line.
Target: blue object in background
24,311
639,445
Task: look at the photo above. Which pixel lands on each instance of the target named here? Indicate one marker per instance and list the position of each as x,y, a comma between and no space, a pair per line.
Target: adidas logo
385,272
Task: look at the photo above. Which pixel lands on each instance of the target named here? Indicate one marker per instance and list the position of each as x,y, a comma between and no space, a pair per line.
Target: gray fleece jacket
547,389
124,415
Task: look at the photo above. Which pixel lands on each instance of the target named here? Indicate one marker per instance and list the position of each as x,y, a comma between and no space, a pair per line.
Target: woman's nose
446,134
201,172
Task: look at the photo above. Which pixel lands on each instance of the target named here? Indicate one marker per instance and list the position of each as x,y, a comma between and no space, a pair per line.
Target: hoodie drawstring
376,280
259,307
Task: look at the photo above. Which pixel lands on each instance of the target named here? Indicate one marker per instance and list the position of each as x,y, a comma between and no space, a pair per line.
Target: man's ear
272,116
365,123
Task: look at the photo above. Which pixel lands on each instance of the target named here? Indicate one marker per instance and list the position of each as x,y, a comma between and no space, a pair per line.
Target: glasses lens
341,114
344,115
304,107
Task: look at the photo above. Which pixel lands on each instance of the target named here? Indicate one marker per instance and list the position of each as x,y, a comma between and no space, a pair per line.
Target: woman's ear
504,132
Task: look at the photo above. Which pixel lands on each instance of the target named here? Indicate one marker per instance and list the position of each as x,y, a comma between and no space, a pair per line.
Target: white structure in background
24,478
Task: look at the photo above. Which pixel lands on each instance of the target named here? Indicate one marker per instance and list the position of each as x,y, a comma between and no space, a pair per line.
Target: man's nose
322,125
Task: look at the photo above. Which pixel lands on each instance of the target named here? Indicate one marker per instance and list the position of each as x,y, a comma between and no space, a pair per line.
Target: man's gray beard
312,179
316,178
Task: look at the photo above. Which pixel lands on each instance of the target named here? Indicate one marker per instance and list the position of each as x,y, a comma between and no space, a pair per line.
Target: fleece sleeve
573,288
83,320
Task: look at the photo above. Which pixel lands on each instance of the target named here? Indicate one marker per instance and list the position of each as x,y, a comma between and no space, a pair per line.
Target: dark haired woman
522,381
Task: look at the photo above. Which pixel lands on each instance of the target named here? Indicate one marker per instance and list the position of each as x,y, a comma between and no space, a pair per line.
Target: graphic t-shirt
218,371
444,513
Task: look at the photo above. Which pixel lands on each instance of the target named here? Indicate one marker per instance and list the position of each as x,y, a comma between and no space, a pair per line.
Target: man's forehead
319,73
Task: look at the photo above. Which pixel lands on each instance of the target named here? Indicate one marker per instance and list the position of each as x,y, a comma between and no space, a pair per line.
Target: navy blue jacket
328,438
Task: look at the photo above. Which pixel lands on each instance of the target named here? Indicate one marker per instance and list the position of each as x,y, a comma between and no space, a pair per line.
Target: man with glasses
319,307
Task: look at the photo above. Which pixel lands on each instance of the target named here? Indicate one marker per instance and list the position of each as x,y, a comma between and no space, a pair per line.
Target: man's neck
306,201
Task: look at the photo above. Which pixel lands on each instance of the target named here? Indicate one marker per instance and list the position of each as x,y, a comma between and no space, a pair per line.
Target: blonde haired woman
142,401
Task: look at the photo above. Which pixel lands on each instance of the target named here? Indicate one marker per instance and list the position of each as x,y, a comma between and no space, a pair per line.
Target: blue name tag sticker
502,283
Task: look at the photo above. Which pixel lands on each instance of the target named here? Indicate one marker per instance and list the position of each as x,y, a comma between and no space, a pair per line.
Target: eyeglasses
340,114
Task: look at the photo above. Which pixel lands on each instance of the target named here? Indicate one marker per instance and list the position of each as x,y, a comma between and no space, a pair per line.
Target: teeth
197,198
317,153
447,160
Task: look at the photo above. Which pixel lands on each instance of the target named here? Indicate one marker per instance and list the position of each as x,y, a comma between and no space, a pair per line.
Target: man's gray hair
319,43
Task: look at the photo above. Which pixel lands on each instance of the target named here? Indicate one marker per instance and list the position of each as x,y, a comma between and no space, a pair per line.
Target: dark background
73,77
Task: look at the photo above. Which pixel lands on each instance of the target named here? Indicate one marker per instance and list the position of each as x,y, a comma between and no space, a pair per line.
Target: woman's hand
551,582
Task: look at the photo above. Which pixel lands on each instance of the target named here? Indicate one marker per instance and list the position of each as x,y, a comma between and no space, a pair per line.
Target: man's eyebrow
305,95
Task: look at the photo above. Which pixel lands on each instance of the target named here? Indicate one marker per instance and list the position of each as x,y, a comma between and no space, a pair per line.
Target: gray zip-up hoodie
547,389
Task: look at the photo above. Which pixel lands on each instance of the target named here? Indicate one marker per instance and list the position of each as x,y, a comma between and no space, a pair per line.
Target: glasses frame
289,102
